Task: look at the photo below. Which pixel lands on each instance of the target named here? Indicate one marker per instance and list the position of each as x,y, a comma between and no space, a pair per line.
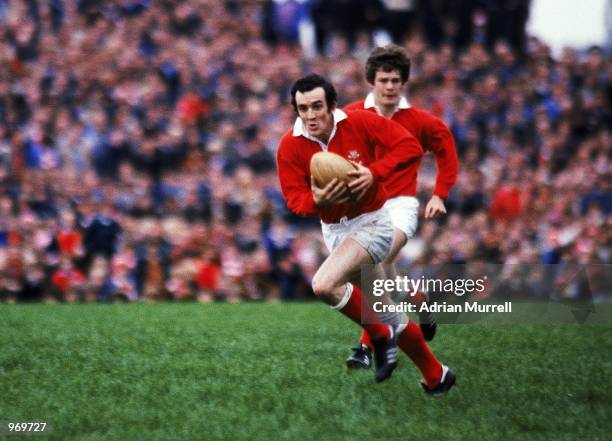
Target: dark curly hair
387,58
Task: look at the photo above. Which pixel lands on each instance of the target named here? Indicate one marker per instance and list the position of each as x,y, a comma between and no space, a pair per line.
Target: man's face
387,88
314,113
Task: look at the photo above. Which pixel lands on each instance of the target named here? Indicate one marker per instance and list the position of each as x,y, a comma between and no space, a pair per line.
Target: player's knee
323,287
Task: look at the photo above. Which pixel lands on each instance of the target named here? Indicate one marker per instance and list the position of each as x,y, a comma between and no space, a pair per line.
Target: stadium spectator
67,281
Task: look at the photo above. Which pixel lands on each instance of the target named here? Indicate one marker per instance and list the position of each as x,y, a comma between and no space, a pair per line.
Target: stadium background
137,141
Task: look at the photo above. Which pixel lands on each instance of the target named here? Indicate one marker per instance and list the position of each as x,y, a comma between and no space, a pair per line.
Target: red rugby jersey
434,136
357,136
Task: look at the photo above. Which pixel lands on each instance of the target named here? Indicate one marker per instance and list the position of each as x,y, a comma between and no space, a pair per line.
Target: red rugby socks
351,306
365,339
411,341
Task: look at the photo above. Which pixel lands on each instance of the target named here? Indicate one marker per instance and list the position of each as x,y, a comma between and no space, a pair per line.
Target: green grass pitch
276,371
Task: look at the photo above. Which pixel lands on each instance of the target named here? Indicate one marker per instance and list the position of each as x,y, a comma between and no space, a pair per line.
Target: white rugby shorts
373,231
404,211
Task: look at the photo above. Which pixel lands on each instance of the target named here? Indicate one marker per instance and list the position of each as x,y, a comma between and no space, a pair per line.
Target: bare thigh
341,266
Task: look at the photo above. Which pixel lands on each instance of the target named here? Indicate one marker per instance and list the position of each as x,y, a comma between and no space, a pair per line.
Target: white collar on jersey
369,103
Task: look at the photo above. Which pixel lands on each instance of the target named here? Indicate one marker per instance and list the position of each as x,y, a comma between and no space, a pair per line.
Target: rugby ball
325,166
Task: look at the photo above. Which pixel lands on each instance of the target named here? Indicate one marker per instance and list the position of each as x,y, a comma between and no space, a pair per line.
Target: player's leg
331,284
361,355
437,378
404,211
427,321
404,216
363,240
399,240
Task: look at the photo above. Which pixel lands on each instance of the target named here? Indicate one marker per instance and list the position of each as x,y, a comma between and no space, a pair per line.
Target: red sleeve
437,137
399,146
294,179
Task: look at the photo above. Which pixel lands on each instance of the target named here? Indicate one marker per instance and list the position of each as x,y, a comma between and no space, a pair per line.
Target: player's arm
300,191
438,138
295,182
435,207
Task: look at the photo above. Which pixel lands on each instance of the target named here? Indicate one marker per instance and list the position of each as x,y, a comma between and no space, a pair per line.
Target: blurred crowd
138,138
